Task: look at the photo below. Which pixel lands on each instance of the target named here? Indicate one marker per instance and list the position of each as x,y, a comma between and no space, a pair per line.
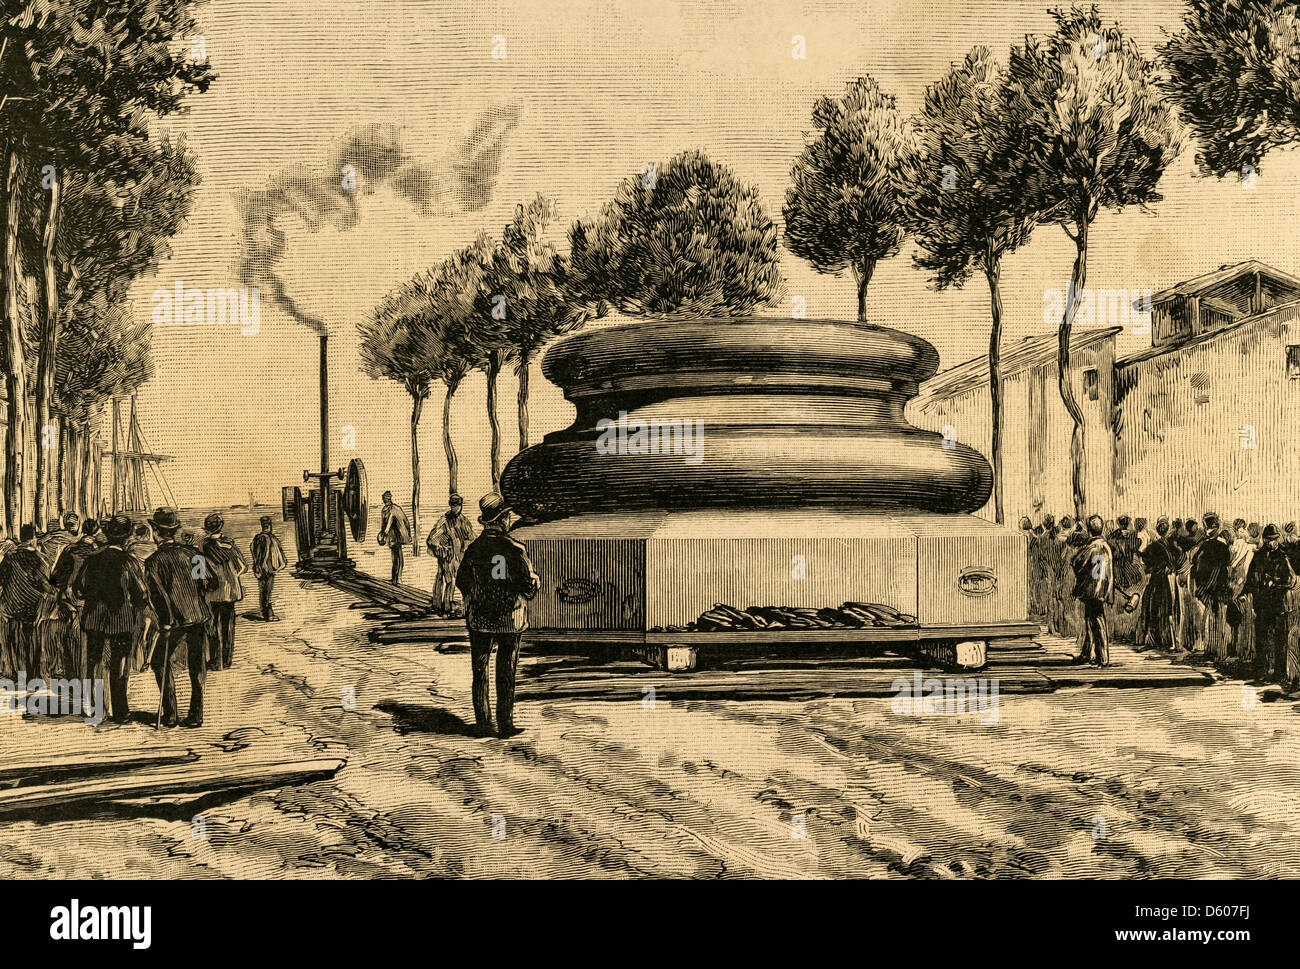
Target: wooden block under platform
969,654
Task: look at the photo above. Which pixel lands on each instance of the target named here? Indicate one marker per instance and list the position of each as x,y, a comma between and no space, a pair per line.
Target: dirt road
1084,782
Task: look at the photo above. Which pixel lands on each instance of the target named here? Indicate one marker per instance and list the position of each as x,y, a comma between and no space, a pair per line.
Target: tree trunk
1077,281
73,496
993,271
86,471
492,369
45,363
523,400
15,374
61,468
417,406
453,467
862,277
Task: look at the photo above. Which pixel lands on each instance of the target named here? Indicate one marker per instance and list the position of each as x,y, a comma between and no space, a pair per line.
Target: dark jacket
394,527
1094,572
225,565
69,564
112,584
1162,557
496,578
177,596
1268,578
268,555
1210,564
24,583
54,544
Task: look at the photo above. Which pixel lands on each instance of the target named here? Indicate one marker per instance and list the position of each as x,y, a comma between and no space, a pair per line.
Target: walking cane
167,672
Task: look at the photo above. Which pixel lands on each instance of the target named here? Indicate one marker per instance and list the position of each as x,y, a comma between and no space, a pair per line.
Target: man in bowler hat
111,583
225,564
1267,581
496,579
178,587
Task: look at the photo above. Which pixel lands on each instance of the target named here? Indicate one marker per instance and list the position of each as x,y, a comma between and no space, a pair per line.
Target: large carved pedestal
801,491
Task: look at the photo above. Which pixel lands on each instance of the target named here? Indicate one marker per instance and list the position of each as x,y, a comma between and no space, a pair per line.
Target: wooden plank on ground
206,776
26,769
747,684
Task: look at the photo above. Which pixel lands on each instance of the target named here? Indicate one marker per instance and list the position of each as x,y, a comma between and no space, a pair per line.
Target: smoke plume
368,158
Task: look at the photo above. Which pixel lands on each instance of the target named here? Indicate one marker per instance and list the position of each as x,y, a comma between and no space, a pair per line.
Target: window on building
1293,361
1200,382
1090,384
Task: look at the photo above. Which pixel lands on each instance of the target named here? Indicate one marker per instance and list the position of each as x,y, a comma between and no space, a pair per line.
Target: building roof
1210,280
1029,352
1170,348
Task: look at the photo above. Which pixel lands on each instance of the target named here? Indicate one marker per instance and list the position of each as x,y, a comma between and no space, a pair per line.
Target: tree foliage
1234,73
684,239
965,182
843,209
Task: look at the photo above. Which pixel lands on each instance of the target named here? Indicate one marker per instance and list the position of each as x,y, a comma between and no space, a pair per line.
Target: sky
604,88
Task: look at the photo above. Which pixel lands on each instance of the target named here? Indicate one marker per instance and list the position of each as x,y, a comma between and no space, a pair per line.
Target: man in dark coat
1291,545
66,571
395,532
24,583
1268,580
496,579
1160,616
111,583
178,592
225,565
1212,587
268,559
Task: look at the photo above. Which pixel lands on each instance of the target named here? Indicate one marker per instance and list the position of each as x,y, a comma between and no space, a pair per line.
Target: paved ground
1086,781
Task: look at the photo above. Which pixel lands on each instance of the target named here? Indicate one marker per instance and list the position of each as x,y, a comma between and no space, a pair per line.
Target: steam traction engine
809,512
326,514
337,505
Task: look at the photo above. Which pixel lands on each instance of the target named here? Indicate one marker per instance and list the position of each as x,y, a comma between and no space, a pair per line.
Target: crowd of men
92,600
1184,585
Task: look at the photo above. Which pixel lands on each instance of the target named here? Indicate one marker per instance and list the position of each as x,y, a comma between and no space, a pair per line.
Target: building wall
1180,420
1036,433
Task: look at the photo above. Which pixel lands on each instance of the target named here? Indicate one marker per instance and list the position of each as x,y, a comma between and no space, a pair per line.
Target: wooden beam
24,771
200,777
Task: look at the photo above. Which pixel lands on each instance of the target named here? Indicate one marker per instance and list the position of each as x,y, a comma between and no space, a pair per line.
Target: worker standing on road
447,542
111,583
268,559
1095,584
395,532
178,590
1210,585
225,564
1267,582
497,579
